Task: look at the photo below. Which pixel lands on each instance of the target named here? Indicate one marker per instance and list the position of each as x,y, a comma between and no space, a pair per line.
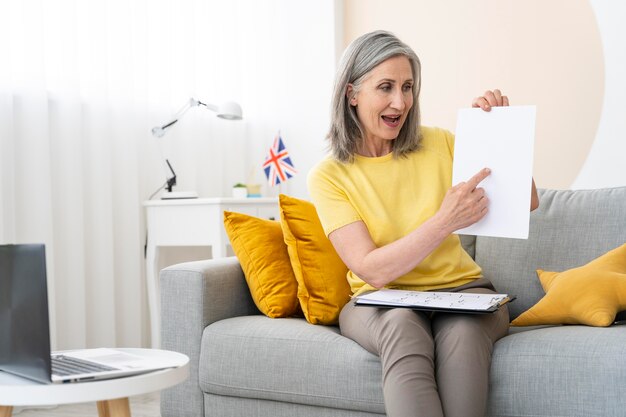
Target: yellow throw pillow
591,294
261,250
323,288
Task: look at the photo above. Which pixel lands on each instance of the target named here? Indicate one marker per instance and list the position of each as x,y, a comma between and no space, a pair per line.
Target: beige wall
547,53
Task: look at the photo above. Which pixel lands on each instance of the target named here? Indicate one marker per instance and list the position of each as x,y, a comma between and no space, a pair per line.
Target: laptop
25,329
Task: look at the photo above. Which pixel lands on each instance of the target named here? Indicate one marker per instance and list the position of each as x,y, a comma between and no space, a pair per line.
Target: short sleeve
438,140
449,141
331,201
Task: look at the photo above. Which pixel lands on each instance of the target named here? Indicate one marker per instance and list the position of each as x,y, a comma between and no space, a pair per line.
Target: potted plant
240,190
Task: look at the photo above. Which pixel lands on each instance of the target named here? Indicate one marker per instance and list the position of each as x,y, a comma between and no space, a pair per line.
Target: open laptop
25,329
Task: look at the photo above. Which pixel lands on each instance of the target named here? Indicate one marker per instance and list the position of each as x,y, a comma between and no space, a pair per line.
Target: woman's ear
351,95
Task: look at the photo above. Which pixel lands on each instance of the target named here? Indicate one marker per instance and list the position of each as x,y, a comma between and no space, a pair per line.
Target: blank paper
502,140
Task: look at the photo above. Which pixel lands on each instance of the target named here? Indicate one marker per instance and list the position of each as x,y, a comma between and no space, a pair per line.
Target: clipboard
448,302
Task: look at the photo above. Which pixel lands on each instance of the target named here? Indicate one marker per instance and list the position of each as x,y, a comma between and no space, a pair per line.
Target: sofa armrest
194,295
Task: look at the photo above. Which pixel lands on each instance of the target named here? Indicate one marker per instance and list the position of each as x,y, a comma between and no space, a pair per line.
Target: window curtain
81,85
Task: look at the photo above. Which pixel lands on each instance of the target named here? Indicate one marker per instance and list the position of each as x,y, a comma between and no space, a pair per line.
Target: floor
140,406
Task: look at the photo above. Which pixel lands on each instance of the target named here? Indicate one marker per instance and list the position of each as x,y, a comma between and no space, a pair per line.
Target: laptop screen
24,325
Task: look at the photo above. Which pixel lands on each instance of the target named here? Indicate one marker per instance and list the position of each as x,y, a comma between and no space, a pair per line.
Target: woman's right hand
464,203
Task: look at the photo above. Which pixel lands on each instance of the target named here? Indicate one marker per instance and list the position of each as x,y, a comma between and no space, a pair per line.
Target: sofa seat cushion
289,360
559,371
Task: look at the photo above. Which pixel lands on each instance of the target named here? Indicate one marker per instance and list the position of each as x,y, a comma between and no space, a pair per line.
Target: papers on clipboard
459,302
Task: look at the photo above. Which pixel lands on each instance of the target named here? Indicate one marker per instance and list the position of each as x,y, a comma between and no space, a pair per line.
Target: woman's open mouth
392,121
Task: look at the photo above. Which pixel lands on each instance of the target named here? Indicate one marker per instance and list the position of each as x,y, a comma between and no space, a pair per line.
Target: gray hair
362,55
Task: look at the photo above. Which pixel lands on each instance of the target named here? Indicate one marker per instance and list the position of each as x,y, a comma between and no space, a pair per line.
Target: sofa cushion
259,246
323,288
469,244
559,371
591,294
289,360
569,229
223,406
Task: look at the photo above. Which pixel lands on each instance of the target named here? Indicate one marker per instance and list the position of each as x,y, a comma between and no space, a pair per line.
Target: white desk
111,394
192,222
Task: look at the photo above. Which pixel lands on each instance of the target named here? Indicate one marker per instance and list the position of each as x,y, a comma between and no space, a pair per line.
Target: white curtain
81,85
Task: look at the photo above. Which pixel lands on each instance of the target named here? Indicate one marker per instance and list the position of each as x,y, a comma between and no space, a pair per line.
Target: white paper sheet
502,140
433,299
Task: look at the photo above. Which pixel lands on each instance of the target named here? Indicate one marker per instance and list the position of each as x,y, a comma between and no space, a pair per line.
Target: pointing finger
476,179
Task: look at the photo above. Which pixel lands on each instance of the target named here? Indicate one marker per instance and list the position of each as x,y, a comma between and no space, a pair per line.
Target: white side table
111,395
192,222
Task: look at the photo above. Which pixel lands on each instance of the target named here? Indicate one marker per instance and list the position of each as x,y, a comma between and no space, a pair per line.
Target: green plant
239,185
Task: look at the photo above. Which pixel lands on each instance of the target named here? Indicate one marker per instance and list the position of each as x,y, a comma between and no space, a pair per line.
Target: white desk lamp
228,110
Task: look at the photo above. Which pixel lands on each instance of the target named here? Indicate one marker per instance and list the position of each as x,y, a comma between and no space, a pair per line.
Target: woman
386,203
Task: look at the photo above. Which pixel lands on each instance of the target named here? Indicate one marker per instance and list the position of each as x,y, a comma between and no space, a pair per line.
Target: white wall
289,88
605,165
565,56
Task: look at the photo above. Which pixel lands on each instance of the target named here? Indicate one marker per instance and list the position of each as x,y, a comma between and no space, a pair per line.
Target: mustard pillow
323,288
261,250
591,294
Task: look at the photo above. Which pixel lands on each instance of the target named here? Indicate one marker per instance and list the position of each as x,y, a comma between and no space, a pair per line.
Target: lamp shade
230,110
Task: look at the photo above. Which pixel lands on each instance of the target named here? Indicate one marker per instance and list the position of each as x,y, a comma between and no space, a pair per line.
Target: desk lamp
228,110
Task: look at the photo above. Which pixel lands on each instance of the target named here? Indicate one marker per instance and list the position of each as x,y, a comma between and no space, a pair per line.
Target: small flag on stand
278,166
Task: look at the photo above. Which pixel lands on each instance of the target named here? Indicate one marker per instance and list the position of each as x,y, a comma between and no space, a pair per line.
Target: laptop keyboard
64,365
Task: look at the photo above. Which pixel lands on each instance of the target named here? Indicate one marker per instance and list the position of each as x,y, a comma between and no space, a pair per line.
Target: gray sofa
245,364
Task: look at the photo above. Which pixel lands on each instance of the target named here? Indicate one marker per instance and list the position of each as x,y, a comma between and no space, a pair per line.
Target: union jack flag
278,166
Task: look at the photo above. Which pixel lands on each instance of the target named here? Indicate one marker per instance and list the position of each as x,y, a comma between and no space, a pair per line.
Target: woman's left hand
490,99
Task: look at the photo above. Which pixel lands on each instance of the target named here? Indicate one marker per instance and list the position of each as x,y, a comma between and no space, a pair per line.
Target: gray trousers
433,364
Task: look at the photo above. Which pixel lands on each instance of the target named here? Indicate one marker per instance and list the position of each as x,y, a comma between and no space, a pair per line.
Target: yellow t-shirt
393,197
